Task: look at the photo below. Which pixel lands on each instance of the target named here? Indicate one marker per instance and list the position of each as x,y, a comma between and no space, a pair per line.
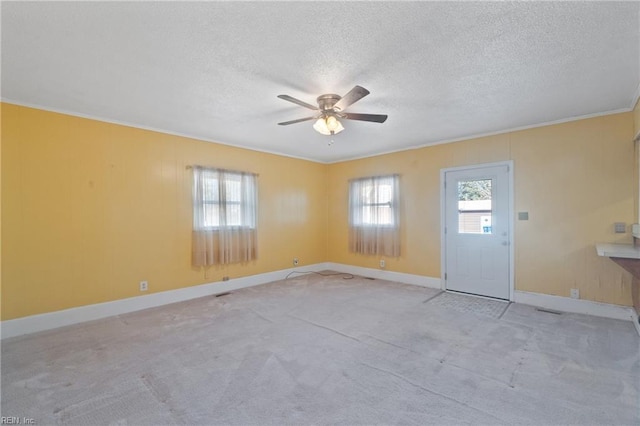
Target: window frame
464,220
217,175
356,220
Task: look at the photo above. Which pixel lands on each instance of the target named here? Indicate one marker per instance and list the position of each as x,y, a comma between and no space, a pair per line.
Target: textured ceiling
212,70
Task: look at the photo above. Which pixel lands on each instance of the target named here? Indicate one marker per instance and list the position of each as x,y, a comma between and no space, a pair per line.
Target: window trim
392,203
200,204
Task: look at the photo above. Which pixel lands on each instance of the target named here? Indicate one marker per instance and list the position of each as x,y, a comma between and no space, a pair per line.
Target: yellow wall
636,119
89,209
636,177
1,211
574,179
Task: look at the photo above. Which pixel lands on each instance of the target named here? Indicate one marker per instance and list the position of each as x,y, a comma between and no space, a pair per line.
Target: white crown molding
149,128
483,135
425,145
636,97
51,320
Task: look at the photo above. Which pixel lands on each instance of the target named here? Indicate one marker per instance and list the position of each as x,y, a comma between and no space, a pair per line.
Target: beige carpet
327,350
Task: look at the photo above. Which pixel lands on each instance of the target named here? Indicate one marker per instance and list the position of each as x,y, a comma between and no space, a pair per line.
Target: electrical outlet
295,261
144,285
575,293
382,263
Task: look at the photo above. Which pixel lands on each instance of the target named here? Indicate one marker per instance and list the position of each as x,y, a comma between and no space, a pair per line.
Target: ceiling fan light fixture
332,123
320,126
328,126
330,109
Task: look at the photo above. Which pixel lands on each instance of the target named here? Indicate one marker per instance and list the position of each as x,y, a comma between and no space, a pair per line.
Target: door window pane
474,207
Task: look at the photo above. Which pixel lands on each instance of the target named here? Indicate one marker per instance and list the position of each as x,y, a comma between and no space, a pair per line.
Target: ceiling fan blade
376,118
353,96
298,101
299,120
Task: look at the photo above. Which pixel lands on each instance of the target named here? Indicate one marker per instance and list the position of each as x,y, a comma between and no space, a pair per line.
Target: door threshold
479,296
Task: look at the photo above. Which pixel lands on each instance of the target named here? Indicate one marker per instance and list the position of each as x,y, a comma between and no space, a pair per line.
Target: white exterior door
476,231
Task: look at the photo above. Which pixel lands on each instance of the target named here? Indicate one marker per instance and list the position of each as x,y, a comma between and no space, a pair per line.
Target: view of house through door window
474,206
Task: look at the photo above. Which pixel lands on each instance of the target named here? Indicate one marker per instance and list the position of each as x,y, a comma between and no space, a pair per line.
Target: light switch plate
620,227
523,215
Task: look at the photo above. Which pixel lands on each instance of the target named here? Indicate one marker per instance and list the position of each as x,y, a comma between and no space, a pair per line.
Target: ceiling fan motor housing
331,106
326,102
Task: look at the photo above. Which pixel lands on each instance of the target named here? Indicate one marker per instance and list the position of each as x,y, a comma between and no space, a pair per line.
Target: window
227,199
474,206
373,202
373,215
224,216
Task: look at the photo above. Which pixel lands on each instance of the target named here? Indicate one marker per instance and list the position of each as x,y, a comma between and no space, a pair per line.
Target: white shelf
628,251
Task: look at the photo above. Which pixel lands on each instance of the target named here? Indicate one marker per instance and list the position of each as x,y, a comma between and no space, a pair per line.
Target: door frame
510,215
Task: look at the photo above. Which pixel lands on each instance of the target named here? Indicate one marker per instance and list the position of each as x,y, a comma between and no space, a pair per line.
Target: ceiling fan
330,108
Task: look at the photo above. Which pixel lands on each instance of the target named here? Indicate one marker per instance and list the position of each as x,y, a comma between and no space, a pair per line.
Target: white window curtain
224,216
374,220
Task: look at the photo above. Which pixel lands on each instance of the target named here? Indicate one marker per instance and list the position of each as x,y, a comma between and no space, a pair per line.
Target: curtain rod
375,177
189,166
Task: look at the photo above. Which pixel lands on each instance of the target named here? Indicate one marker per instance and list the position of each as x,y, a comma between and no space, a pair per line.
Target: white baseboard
577,306
50,320
635,320
558,303
382,274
